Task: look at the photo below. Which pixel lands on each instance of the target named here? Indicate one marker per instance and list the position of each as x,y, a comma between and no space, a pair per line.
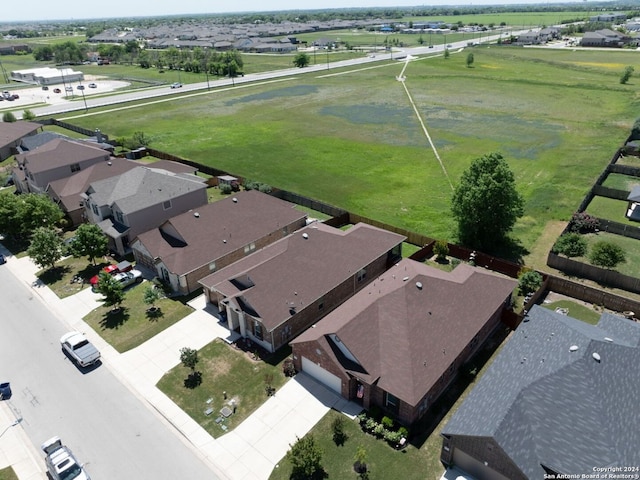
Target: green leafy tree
441,249
447,54
110,289
46,247
529,281
339,435
90,241
305,457
301,60
606,254
28,115
470,60
189,358
360,459
9,216
626,75
37,210
571,245
9,117
151,296
486,203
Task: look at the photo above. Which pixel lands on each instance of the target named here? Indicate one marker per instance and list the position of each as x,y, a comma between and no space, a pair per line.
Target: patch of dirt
217,366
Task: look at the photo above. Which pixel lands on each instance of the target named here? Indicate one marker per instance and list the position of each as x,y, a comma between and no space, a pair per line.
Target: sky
39,10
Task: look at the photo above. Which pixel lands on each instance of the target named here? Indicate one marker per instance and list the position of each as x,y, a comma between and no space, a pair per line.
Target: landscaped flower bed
386,429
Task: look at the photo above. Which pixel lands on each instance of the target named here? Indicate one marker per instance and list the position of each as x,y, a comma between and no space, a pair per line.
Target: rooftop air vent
573,348
196,214
419,285
404,279
607,339
305,236
596,356
234,200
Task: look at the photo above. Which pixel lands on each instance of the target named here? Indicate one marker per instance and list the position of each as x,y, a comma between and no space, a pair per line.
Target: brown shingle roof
219,229
59,152
301,270
11,132
406,337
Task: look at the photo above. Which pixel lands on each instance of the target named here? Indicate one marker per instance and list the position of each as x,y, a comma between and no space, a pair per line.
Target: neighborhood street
108,427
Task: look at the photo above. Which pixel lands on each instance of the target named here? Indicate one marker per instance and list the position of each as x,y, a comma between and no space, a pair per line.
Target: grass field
351,137
611,209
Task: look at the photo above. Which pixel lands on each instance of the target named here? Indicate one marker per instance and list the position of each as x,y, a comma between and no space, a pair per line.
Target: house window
166,205
75,167
94,208
257,329
249,248
362,274
212,266
320,305
391,402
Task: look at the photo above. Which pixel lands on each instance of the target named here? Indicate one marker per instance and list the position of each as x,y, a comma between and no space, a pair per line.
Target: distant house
559,399
604,38
188,247
59,158
126,205
633,208
399,342
529,38
278,292
12,133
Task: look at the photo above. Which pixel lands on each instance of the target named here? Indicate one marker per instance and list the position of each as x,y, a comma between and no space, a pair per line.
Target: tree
571,245
301,60
151,296
606,254
46,247
90,241
360,459
529,281
189,358
110,289
626,75
486,203
28,115
339,435
36,210
469,60
305,457
446,53
9,117
441,249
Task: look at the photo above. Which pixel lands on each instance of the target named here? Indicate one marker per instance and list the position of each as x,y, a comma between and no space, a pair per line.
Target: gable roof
32,142
547,405
301,268
142,187
186,242
59,152
407,327
11,132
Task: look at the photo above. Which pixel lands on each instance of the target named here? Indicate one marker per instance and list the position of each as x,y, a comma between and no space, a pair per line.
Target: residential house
190,246
59,158
633,208
558,401
12,133
141,199
529,38
399,342
278,292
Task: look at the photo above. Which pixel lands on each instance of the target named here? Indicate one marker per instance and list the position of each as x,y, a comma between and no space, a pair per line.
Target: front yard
224,368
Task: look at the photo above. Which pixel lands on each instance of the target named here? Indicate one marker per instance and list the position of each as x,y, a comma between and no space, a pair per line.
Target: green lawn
132,326
59,278
630,160
224,369
631,266
621,182
576,310
610,209
8,474
352,139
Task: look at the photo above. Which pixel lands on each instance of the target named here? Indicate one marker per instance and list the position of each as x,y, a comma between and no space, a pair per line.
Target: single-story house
558,401
399,342
633,208
190,246
275,294
12,133
125,205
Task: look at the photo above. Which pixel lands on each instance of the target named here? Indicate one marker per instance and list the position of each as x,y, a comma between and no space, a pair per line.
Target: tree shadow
153,313
340,438
193,380
54,274
114,318
317,475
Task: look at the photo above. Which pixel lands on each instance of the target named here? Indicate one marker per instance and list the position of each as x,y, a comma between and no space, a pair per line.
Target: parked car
80,87
44,87
57,90
61,463
2,259
5,391
81,350
69,88
176,85
129,278
93,85
123,266
15,96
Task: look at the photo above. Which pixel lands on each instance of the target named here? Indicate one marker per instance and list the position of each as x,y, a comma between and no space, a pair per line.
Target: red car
112,270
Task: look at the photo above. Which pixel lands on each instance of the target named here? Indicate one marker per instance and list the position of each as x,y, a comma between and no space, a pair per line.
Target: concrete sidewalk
249,452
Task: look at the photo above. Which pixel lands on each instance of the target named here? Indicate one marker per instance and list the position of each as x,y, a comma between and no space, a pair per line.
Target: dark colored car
2,259
57,90
44,87
5,391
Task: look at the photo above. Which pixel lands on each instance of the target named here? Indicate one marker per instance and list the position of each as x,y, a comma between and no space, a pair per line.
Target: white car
93,85
129,278
176,85
81,350
61,463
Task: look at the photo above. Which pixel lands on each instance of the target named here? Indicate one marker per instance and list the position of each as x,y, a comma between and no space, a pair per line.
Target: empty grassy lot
351,138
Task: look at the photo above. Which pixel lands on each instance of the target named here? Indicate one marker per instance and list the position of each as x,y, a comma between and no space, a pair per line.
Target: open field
351,138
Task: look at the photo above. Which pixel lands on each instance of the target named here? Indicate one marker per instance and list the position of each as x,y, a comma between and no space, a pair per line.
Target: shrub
370,425
235,186
392,437
529,282
404,432
441,249
225,188
339,437
387,422
582,222
379,430
288,368
571,245
606,254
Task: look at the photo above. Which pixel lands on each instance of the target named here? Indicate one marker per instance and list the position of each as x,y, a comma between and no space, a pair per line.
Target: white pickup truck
80,349
61,464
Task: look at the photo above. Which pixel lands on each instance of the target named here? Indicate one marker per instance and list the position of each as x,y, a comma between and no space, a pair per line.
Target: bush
379,430
370,425
582,222
403,431
392,437
225,188
339,437
387,422
441,249
529,282
606,254
571,245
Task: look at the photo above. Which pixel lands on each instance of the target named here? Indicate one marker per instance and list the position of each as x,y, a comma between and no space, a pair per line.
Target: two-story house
126,205
190,246
275,294
12,133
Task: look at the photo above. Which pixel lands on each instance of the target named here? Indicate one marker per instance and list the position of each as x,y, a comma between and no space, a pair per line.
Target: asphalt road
109,429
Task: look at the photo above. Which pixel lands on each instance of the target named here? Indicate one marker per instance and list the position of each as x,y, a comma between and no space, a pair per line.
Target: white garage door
323,376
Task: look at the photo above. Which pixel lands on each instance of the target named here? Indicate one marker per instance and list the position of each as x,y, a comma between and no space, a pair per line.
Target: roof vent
607,339
305,236
419,285
234,200
596,356
573,348
404,279
224,240
196,214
